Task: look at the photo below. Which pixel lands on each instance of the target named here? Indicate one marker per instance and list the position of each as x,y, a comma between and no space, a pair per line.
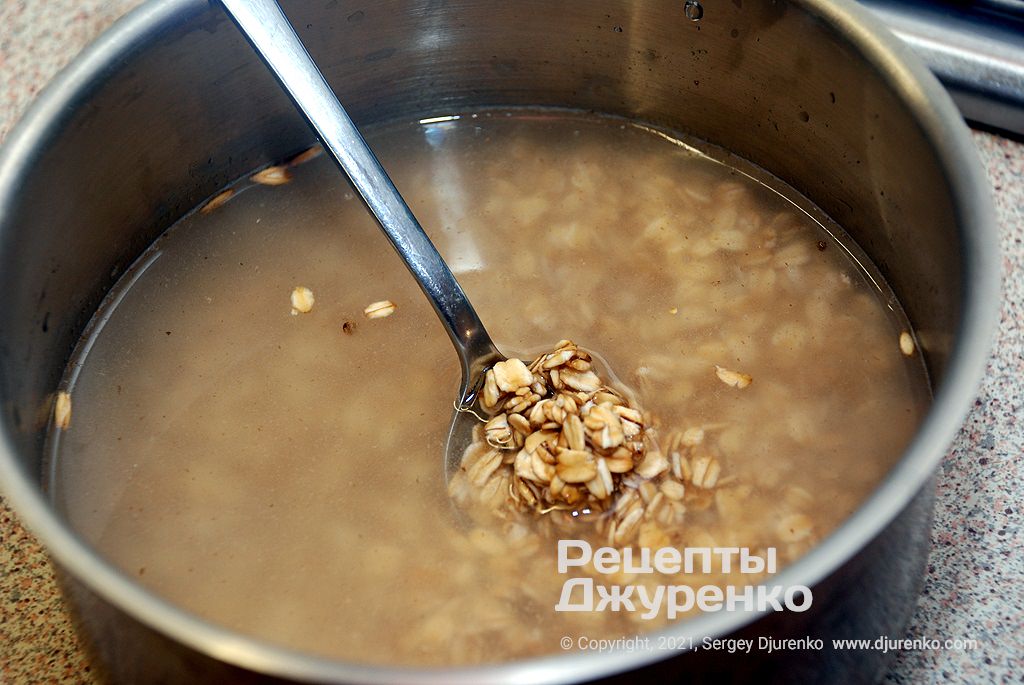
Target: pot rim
938,119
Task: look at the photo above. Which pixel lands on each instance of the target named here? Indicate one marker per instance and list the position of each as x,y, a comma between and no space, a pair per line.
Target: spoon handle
268,30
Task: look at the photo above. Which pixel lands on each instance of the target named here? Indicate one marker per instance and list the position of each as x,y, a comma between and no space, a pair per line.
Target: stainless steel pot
171,104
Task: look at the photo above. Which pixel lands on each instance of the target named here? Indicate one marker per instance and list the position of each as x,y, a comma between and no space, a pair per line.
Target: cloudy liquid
281,475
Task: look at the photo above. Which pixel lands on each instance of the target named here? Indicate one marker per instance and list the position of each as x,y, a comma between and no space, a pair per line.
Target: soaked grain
283,479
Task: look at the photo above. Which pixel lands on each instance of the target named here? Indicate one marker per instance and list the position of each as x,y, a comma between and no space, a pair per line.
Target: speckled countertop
975,582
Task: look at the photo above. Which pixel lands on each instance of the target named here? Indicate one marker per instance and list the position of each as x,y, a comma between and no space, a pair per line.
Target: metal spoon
270,33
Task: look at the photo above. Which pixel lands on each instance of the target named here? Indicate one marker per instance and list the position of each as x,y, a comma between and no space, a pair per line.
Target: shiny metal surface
171,104
976,50
266,27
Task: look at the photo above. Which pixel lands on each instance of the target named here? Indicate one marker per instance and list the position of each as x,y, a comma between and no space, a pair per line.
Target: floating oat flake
62,411
302,300
217,201
907,346
378,310
733,378
272,176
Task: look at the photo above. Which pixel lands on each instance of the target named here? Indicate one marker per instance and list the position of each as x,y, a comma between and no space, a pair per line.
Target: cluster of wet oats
562,441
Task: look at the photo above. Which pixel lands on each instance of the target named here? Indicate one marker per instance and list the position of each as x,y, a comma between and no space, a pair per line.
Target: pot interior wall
190,108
